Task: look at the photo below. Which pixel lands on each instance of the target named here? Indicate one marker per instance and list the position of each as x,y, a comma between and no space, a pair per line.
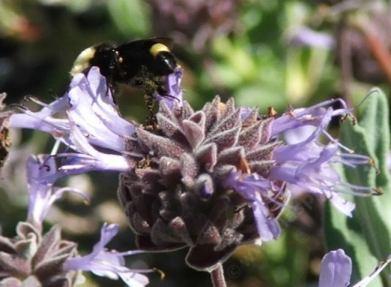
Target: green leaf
130,17
375,121
367,236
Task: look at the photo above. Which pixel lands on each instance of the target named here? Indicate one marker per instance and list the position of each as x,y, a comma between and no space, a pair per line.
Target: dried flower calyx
31,259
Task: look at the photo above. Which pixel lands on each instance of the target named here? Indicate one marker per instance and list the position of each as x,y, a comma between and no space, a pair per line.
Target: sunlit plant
207,180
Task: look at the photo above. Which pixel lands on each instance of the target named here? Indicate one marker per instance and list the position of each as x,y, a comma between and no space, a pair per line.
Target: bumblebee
141,63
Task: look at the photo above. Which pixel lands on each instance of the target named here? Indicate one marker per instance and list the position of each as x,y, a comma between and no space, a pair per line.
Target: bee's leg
112,88
144,162
140,82
161,88
151,122
150,88
137,82
146,81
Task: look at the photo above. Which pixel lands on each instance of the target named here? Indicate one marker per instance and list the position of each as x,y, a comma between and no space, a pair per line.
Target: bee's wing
143,45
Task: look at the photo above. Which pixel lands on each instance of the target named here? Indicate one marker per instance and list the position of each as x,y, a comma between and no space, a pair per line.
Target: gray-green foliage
366,237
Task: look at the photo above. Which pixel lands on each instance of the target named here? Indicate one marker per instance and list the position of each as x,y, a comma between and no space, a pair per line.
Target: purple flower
307,165
93,127
205,185
111,264
89,105
336,270
93,111
304,36
42,173
223,172
174,90
33,258
254,188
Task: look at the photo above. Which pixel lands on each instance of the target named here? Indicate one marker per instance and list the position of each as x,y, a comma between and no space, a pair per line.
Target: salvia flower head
183,191
33,259
208,180
219,177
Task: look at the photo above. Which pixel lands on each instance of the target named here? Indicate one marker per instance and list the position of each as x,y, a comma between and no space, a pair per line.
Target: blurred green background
262,52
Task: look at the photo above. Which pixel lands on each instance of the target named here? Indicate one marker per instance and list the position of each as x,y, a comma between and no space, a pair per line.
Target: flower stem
217,277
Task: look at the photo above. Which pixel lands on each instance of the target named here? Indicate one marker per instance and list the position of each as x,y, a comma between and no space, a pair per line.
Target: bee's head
102,56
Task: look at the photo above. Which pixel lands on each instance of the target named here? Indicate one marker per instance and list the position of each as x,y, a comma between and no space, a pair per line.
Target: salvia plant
206,180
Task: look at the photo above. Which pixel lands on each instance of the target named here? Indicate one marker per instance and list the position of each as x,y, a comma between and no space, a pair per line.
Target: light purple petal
305,36
89,105
106,263
268,227
336,269
92,109
77,163
99,160
85,116
344,206
253,187
312,172
174,95
42,173
306,164
134,279
299,134
308,116
107,233
45,119
247,185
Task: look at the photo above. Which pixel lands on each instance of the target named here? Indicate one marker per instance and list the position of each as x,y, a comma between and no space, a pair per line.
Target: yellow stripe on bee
82,61
158,48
